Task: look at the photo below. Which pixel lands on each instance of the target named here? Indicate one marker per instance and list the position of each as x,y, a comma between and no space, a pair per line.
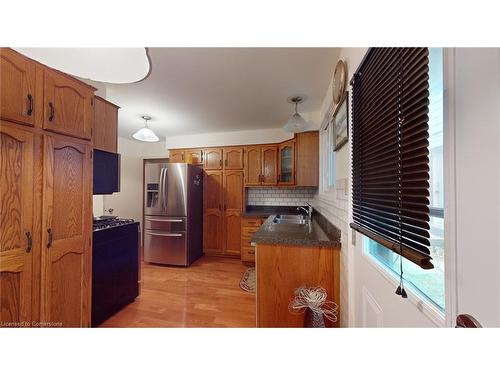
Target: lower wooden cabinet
17,229
248,227
232,232
46,228
222,207
66,232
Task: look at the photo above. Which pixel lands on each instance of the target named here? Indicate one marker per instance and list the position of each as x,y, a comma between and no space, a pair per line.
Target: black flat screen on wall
106,172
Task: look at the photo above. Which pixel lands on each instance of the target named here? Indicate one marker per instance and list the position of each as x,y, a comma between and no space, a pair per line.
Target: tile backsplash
279,196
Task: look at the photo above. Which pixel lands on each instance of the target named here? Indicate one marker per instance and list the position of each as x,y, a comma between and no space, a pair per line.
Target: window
328,154
428,283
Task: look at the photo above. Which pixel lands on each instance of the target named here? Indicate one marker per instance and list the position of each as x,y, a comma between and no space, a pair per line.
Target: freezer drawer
165,247
165,223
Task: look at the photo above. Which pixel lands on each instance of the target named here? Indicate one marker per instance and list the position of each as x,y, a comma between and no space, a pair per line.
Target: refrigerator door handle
165,187
165,234
160,192
166,220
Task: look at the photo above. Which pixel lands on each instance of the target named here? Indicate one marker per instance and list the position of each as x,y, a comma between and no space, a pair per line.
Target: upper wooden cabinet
17,234
68,105
66,232
105,125
176,156
233,157
269,165
286,163
17,88
213,158
194,156
253,165
307,159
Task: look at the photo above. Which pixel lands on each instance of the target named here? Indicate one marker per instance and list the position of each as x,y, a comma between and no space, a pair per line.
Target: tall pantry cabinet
46,120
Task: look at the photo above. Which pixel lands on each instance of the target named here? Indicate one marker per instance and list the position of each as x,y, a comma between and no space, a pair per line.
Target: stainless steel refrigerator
173,213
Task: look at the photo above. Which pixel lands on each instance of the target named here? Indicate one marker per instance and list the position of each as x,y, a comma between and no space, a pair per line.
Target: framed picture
340,123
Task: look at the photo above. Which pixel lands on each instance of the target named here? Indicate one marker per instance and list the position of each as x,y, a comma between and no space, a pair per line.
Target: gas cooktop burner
109,222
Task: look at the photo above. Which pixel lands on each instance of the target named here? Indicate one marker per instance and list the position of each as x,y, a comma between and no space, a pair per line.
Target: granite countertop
319,232
266,211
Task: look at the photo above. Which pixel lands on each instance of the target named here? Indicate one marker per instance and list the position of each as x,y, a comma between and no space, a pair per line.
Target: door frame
449,156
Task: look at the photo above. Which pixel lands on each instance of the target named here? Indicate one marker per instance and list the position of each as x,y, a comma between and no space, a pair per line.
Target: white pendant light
145,134
296,123
109,65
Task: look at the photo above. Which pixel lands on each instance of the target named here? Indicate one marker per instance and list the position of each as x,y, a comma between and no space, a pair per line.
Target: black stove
105,222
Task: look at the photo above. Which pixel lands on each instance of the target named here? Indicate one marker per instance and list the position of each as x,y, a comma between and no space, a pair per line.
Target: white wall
335,204
476,116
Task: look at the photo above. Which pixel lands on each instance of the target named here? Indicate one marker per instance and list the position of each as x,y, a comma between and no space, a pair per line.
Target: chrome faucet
308,210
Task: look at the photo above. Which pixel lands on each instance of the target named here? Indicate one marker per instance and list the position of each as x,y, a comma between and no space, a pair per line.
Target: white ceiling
204,90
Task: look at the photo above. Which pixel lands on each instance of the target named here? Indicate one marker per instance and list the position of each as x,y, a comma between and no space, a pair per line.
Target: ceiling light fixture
145,134
296,123
109,65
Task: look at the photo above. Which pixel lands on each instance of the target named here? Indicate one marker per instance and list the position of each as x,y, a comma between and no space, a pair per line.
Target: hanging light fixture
145,134
296,123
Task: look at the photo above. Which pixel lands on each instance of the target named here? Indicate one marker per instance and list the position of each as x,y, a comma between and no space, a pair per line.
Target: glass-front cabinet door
287,163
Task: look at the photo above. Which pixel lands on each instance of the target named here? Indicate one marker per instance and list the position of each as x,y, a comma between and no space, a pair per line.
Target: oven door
165,247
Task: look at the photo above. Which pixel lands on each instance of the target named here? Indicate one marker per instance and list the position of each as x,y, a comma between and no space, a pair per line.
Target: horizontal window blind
390,155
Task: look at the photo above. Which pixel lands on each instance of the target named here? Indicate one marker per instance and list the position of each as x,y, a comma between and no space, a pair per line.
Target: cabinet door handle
30,105
30,242
220,162
52,112
49,240
201,153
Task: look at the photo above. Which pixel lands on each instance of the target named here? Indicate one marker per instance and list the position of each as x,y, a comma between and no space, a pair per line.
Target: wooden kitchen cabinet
18,99
194,156
213,196
269,165
253,165
66,232
176,156
233,157
46,195
248,227
307,159
68,105
105,135
286,163
233,206
18,234
213,158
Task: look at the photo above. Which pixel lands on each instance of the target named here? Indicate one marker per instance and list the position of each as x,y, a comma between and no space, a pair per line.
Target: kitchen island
293,251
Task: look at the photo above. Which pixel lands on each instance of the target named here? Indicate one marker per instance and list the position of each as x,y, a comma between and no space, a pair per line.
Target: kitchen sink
291,219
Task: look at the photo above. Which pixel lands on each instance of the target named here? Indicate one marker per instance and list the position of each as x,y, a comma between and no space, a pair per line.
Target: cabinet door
66,232
176,156
286,174
232,230
233,190
105,125
212,212
212,191
253,166
269,165
307,159
233,158
213,158
68,106
16,213
17,87
196,156
213,233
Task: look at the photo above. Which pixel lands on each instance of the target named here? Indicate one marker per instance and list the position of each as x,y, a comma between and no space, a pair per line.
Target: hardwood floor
207,294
